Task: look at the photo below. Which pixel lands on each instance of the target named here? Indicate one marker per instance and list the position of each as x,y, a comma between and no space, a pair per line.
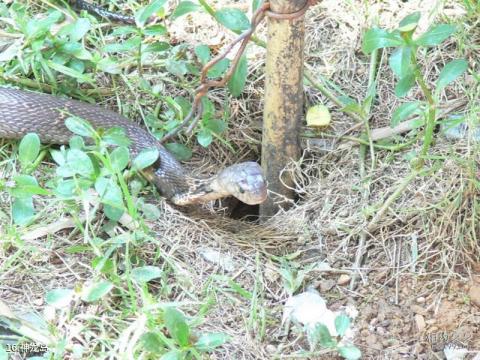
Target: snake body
23,112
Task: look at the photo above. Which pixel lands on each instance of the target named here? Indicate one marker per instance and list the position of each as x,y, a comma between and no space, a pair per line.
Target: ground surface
417,287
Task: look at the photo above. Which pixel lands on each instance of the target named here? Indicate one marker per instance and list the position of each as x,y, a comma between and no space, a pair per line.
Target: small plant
404,64
321,335
24,186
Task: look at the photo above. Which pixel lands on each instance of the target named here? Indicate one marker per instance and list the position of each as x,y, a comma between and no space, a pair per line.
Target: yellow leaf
318,115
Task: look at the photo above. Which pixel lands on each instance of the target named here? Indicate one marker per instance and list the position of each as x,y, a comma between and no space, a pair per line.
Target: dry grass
438,214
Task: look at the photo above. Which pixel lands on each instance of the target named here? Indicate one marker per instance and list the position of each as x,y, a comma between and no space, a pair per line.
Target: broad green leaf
350,352
378,38
22,210
109,65
26,186
28,149
116,136
96,291
146,158
176,67
409,22
233,19
218,69
435,35
404,85
400,61
342,322
155,30
180,151
404,111
216,126
150,211
152,342
239,77
120,157
145,274
124,30
173,355
80,28
204,137
177,326
183,8
59,298
79,126
131,44
80,163
210,341
81,78
157,46
144,14
111,196
203,53
321,335
451,72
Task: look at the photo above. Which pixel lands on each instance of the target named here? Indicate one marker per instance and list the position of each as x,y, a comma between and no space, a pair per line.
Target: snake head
245,181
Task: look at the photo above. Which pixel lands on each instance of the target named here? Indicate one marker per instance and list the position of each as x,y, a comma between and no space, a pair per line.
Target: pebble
344,279
271,348
474,294
420,300
420,321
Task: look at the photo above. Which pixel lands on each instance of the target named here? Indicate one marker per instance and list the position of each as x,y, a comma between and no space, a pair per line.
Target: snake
23,112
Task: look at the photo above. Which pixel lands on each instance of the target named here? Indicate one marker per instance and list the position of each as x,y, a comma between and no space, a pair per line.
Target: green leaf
256,4
376,38
404,85
210,341
131,44
150,211
239,77
80,163
350,352
120,158
177,326
203,53
144,14
216,126
404,111
109,65
436,35
204,137
173,355
80,28
79,126
81,78
342,322
22,210
157,46
59,298
111,196
218,69
28,149
409,22
451,72
233,19
145,274
400,61
96,291
322,335
146,158
183,8
155,30
180,151
152,342
116,136
26,186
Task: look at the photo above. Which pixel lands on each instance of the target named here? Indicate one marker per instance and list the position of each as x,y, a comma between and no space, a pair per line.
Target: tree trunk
283,103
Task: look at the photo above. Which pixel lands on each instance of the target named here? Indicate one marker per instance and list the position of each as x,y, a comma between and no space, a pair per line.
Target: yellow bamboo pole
283,102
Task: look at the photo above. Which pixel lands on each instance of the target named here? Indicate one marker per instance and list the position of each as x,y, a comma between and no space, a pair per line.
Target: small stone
420,321
364,333
474,294
381,331
417,309
420,300
271,348
344,279
373,321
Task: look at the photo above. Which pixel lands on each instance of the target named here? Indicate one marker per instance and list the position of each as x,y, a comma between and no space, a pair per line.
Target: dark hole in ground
240,210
